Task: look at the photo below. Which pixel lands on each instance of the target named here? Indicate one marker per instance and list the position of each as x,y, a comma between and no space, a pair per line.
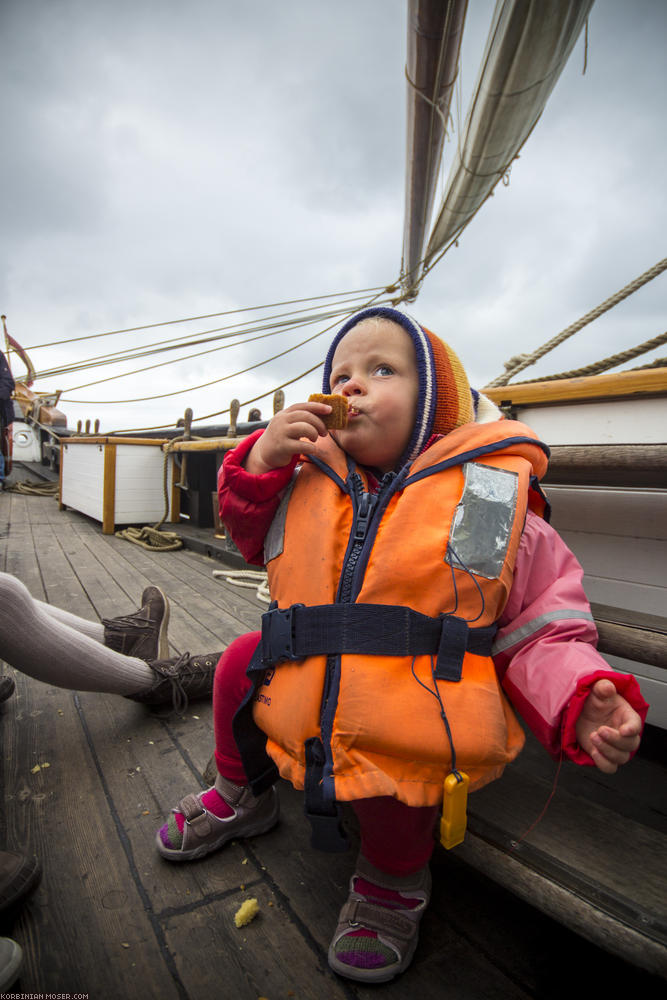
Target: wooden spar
526,51
434,41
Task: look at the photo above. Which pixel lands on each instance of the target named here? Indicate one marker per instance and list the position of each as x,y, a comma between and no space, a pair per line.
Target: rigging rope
521,361
159,347
606,363
227,312
656,363
187,357
262,395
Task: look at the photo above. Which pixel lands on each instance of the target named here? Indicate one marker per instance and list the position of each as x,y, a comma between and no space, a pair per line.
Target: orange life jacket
364,696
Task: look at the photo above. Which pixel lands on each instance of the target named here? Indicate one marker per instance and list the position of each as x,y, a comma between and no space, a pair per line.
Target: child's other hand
608,728
293,431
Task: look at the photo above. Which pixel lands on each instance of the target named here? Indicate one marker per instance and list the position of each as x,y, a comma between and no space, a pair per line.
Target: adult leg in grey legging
58,648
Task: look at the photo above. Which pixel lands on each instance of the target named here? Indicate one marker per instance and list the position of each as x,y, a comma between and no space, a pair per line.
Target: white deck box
117,481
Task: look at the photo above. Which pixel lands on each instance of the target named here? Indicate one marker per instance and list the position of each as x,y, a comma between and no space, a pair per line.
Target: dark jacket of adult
6,389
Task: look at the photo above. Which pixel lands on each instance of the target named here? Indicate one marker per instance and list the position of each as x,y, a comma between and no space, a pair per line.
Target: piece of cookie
337,419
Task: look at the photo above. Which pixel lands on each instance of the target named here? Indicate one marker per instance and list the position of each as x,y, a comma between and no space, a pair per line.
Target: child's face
375,367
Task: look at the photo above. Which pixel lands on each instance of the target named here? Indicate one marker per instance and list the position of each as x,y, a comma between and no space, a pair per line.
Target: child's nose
353,387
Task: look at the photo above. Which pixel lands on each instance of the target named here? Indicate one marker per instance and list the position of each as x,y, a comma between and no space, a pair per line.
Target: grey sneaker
203,832
180,679
11,960
142,634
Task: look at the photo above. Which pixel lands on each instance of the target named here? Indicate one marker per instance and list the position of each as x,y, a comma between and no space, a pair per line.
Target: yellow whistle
454,801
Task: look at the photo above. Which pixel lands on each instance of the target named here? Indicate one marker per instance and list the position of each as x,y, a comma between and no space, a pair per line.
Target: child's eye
384,370
338,380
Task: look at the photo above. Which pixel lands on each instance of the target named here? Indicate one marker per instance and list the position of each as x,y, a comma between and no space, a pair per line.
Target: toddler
418,595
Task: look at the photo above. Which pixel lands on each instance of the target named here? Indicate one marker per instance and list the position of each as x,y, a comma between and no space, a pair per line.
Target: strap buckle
451,649
278,635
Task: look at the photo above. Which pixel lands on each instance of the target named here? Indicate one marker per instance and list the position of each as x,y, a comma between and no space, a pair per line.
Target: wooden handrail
203,444
645,382
642,645
630,465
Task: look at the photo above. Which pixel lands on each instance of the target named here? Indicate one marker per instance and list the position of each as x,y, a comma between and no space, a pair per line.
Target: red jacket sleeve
545,650
247,503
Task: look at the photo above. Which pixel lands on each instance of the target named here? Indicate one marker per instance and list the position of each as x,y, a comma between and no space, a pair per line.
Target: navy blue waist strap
371,630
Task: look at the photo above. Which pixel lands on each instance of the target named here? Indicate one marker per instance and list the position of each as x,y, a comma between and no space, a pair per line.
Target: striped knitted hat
446,400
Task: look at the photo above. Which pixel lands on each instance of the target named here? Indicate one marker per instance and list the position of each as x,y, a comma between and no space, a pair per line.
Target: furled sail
528,45
434,40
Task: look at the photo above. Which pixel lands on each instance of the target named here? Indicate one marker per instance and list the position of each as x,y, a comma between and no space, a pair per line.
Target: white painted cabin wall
640,421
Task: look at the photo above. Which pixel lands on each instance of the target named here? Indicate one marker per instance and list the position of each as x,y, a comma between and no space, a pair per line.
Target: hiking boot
7,686
19,875
201,831
144,633
179,680
11,960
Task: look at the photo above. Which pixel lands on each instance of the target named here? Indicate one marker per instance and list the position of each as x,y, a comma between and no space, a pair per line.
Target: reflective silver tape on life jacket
524,631
481,528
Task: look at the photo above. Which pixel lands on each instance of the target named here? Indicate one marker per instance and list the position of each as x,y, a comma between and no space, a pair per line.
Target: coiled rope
33,489
522,361
252,579
152,538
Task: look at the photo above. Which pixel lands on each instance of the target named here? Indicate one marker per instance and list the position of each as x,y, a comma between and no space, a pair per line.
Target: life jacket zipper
365,505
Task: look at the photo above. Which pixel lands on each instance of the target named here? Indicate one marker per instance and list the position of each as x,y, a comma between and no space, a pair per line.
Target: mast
435,29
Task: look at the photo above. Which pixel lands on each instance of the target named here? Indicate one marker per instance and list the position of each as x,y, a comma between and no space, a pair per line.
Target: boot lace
182,674
123,623
175,674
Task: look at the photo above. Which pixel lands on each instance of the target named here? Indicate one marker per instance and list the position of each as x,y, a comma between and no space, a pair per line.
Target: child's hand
293,431
608,728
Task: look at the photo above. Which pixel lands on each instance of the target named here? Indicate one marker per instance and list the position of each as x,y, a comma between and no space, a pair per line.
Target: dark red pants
396,838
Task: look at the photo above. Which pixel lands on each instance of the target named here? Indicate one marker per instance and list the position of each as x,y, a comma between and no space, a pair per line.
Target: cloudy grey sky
163,160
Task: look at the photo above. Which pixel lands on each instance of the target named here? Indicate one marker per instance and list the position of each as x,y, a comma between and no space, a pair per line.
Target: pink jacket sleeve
545,650
248,503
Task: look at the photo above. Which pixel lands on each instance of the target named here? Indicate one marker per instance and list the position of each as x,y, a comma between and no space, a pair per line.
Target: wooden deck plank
265,959
87,908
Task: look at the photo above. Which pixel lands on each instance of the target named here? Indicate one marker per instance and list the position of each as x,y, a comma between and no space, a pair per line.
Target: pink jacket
544,651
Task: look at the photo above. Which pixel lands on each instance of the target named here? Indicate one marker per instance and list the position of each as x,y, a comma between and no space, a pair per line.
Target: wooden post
234,408
175,505
63,449
109,490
